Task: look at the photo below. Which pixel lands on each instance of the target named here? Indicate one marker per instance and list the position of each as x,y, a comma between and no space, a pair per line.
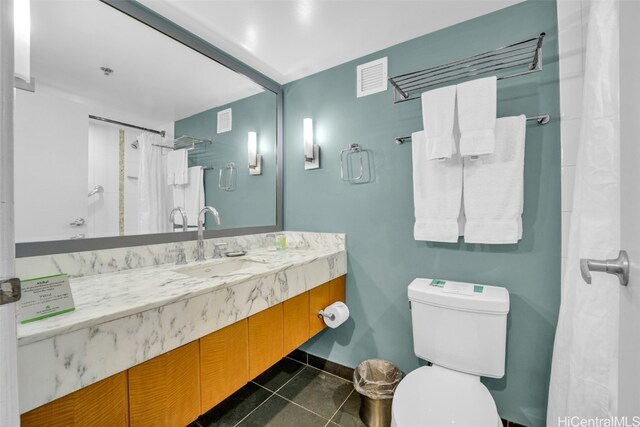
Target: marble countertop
104,297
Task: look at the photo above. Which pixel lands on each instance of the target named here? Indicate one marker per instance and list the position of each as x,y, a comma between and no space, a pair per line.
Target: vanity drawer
103,404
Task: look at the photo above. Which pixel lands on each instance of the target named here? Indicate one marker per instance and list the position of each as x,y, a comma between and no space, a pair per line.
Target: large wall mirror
131,116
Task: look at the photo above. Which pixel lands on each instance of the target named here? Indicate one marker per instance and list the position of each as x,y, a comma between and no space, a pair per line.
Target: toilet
461,328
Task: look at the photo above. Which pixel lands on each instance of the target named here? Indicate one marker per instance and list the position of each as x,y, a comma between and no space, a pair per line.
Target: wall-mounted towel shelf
517,59
189,142
184,141
541,119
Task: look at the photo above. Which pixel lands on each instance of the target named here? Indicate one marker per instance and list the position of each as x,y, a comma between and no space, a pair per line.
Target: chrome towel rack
517,59
189,142
541,119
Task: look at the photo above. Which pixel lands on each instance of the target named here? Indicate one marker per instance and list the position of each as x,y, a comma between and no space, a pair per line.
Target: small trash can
376,381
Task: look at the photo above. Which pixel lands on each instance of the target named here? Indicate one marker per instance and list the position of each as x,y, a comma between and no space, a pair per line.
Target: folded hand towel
437,194
477,116
177,164
190,196
438,109
494,186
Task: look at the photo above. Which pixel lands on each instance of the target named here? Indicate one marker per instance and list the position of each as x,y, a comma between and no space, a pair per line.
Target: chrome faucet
182,213
201,215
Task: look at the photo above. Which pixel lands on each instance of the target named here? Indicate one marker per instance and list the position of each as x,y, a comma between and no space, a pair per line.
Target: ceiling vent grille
372,77
224,120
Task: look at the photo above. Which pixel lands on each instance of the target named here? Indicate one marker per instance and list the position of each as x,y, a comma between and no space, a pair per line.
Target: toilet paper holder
322,314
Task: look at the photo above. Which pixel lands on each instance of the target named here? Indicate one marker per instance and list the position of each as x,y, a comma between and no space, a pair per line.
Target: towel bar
541,119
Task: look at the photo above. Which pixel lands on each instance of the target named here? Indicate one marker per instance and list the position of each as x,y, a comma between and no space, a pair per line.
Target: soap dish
235,253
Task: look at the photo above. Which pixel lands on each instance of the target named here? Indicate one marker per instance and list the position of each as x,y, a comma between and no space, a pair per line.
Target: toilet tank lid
460,295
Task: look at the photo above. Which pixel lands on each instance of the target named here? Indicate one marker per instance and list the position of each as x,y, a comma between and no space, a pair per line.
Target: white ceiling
156,80
291,39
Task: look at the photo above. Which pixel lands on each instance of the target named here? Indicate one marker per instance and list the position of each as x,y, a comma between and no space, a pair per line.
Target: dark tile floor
293,394
289,394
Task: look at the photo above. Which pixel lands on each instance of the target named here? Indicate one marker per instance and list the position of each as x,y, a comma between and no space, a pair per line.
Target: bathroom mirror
117,88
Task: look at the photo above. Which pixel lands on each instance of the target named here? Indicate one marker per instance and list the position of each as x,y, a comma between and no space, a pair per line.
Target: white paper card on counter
45,297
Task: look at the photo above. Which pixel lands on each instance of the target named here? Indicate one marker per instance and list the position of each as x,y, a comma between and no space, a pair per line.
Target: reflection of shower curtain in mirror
155,203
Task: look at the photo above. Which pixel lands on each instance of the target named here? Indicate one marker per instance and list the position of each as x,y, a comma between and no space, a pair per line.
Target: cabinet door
103,404
265,340
336,290
165,391
296,322
319,298
224,363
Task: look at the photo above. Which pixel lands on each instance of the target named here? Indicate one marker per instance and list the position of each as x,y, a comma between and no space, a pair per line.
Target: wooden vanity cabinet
165,391
173,389
337,290
224,363
265,339
319,298
103,404
296,322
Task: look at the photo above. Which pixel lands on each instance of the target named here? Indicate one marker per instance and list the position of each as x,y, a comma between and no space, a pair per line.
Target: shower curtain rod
102,119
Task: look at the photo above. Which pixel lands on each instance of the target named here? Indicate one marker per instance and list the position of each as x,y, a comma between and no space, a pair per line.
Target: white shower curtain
585,356
154,196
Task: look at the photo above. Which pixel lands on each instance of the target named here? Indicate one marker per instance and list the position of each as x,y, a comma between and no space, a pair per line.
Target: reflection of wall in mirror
51,165
253,203
60,156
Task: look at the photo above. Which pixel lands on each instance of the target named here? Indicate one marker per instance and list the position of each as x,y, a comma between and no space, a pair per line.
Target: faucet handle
181,258
218,248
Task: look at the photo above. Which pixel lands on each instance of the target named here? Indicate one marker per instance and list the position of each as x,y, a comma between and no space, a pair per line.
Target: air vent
372,77
224,120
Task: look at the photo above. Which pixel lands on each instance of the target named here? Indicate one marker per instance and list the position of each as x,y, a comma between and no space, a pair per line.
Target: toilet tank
460,326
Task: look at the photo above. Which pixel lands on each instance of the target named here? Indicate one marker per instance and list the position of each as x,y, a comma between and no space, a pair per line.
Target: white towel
190,196
494,187
477,116
437,194
177,165
438,109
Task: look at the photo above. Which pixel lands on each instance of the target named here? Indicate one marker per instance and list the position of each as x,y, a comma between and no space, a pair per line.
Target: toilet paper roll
335,314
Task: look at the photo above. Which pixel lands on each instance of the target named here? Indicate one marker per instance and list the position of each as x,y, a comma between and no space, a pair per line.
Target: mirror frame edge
170,29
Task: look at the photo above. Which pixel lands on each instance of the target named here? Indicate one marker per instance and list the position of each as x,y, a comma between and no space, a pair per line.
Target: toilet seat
436,396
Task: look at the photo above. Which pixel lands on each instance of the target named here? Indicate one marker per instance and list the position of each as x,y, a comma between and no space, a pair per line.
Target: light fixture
22,41
255,159
311,150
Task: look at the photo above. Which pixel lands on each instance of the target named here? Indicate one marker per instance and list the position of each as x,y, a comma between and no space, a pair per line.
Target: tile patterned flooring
288,394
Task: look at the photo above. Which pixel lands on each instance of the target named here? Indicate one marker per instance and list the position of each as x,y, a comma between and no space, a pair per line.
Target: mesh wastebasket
376,381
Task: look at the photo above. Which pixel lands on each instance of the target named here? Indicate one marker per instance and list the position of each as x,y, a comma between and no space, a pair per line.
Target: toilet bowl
461,328
439,397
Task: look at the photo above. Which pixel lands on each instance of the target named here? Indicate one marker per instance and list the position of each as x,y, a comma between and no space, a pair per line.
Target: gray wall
378,219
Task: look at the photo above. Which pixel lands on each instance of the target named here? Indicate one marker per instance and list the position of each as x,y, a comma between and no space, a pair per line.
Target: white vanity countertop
104,297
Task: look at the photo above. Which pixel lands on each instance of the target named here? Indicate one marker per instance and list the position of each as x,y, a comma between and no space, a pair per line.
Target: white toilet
461,328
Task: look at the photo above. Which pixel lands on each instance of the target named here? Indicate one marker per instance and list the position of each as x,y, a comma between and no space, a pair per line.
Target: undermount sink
219,268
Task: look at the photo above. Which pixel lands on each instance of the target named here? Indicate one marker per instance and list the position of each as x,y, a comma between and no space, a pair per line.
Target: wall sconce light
255,159
311,150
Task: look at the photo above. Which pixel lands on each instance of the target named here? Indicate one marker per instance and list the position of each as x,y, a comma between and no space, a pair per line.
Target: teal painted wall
378,219
253,201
